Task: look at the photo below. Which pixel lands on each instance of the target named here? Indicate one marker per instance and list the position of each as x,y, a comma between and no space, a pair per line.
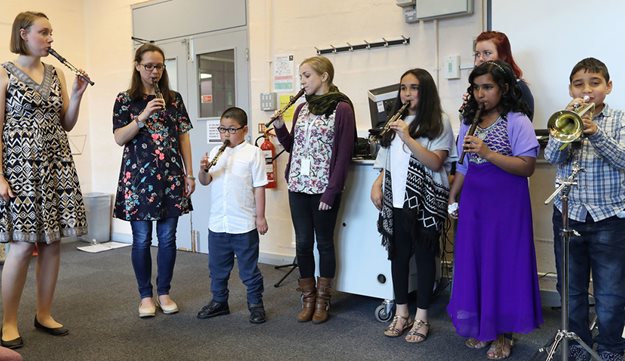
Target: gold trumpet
287,106
216,158
566,126
387,126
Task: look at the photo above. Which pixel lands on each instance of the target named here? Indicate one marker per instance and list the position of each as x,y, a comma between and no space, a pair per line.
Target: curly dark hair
506,80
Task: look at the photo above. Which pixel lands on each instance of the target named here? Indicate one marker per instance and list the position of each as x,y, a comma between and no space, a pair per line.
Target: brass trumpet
281,111
566,126
216,158
387,126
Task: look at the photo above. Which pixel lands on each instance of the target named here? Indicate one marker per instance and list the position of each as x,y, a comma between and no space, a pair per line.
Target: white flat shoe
167,309
147,311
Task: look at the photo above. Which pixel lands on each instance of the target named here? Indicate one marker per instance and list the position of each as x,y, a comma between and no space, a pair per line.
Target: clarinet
216,158
471,130
70,66
291,102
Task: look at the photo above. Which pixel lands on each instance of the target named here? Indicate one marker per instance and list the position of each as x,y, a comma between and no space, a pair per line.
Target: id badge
305,167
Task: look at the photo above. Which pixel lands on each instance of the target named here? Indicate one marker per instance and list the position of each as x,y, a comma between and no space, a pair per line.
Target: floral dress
152,175
37,163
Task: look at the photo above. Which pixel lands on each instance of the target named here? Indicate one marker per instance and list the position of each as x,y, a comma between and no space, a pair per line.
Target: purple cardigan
342,148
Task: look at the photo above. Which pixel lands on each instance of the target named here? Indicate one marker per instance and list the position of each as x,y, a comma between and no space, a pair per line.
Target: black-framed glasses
229,130
150,67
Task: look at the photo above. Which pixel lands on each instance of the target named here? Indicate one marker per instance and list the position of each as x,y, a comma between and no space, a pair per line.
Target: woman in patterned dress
156,176
320,146
40,199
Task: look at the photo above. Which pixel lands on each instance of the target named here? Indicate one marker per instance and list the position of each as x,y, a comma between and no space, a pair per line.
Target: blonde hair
320,65
24,21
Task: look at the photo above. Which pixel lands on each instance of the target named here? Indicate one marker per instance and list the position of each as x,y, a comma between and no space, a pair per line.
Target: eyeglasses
486,54
229,130
150,67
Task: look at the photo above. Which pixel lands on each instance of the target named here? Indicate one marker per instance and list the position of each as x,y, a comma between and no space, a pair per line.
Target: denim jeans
165,258
599,249
222,247
312,224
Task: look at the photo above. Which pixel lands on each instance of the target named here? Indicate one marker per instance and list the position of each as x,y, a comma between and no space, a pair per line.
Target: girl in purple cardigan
320,144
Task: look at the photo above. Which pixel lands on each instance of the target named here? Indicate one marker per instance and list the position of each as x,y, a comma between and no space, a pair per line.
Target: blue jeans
222,247
600,248
165,258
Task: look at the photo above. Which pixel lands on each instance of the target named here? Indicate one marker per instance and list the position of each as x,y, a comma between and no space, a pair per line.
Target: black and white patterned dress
37,163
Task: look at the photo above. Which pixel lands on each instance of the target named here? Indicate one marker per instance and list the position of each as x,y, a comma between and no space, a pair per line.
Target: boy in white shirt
237,215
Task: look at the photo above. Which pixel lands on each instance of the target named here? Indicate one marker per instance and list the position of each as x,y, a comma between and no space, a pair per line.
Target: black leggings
310,223
410,239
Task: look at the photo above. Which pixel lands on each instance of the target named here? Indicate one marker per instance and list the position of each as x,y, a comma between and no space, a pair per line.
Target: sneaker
578,353
257,313
213,309
610,356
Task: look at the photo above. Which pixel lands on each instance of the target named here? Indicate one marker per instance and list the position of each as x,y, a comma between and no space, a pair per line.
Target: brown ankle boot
309,294
322,305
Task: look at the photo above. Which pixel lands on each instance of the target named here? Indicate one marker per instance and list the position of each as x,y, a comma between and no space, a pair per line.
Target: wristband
190,177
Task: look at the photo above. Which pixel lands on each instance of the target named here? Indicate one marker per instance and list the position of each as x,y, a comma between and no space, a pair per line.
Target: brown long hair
23,20
136,90
429,120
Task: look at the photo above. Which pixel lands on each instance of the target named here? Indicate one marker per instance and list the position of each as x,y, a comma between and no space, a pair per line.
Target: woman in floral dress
155,179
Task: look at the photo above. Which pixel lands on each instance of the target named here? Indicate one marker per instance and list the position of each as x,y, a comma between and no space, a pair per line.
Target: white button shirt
232,204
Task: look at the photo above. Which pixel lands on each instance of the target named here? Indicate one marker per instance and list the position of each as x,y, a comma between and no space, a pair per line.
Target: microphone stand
564,335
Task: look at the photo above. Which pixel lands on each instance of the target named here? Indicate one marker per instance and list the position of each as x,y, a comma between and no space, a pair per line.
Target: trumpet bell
565,126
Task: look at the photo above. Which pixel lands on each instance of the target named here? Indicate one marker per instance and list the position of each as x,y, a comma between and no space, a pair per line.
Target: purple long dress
495,285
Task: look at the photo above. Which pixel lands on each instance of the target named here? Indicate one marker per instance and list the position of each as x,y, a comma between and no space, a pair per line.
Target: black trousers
410,238
310,223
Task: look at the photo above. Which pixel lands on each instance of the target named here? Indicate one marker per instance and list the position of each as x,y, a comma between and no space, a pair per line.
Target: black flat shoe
213,309
12,344
57,331
257,313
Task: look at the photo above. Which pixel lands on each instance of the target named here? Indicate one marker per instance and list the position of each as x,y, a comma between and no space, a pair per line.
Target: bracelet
190,177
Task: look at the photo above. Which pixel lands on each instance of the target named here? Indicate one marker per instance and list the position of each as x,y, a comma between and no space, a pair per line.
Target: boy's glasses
229,130
150,67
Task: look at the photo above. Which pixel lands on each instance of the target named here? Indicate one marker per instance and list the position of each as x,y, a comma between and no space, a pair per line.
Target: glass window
217,86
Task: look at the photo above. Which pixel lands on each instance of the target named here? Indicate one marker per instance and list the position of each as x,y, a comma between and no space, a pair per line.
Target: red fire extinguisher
269,151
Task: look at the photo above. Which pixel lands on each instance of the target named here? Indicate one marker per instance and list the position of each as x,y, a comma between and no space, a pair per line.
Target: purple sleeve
522,136
284,136
462,168
345,124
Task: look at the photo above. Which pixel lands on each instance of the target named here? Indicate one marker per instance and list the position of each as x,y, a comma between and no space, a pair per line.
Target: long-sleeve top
342,148
600,188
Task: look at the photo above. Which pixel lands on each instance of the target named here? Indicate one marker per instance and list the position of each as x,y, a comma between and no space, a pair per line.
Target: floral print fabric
152,176
312,143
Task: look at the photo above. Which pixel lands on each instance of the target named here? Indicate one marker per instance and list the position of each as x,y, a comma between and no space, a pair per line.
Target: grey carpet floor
96,298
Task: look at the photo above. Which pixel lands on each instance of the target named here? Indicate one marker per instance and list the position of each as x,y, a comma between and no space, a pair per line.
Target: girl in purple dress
495,286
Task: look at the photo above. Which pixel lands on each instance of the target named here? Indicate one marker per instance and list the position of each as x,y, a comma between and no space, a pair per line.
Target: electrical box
452,67
410,15
437,9
405,3
268,101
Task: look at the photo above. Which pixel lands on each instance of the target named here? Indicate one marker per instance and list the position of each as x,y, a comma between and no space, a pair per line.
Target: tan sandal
500,349
476,344
417,330
393,331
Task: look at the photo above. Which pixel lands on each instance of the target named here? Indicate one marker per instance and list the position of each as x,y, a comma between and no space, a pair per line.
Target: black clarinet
471,131
70,66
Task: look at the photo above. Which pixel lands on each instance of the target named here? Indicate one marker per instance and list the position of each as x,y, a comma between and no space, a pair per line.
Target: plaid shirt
600,188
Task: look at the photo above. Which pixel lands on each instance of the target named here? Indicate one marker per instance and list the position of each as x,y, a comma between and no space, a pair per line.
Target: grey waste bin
98,209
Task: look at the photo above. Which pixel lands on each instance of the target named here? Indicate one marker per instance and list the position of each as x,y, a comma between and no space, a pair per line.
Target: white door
211,73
